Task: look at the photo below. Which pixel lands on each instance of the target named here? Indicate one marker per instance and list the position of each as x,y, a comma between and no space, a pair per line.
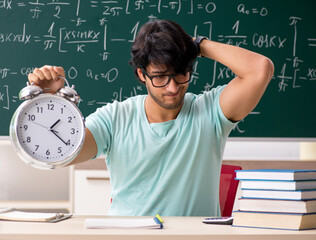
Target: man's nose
173,86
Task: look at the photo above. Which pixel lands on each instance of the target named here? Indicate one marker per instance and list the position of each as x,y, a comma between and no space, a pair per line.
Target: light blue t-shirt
171,168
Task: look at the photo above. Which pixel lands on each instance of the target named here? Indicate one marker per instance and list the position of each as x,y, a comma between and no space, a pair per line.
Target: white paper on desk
121,223
27,216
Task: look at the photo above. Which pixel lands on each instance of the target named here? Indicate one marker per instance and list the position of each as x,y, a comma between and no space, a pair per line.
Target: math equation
91,39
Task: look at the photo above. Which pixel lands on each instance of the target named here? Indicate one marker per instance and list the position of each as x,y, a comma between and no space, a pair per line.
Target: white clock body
47,131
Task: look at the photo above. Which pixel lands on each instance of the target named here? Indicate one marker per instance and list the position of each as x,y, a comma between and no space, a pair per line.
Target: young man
164,150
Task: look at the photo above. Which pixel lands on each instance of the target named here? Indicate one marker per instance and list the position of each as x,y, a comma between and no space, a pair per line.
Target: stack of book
277,198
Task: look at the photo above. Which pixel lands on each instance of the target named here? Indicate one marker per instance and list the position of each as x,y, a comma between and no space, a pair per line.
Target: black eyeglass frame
169,79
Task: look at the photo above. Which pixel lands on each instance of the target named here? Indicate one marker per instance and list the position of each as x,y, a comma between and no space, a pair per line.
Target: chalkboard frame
65,32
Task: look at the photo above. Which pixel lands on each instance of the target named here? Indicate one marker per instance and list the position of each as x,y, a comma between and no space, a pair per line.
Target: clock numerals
50,107
39,109
31,117
48,151
50,129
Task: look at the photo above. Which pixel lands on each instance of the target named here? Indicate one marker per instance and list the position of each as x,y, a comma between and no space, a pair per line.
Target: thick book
276,174
10,214
288,206
282,194
277,185
97,223
288,221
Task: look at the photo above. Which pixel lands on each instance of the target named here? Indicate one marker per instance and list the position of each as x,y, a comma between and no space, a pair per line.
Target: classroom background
92,40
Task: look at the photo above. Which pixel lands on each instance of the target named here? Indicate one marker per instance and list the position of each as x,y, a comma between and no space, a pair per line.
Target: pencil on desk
159,218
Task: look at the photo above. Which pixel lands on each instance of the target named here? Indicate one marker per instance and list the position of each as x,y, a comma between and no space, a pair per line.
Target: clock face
50,129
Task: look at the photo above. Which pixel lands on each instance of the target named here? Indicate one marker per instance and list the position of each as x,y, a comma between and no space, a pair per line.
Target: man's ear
140,74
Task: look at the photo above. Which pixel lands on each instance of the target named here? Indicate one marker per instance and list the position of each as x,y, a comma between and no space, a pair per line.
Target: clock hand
51,127
55,133
39,125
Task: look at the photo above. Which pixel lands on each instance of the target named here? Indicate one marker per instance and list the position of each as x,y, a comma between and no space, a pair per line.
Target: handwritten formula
91,39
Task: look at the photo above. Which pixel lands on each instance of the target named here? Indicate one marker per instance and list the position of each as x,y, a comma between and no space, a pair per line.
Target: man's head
163,43
163,56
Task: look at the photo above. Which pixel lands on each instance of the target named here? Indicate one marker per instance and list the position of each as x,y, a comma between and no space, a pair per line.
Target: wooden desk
174,228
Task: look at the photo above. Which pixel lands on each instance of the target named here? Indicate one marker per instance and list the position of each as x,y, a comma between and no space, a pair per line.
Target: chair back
228,189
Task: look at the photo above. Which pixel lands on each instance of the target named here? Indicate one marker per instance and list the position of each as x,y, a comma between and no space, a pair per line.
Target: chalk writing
92,39
4,97
263,11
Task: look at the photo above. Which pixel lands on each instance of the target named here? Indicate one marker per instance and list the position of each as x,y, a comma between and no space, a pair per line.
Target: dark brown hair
163,42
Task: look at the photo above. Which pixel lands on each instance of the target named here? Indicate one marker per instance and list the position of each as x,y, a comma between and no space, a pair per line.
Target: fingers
46,73
33,78
49,78
60,71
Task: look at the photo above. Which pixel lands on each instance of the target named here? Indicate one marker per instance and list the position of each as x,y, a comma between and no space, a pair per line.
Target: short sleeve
223,125
100,125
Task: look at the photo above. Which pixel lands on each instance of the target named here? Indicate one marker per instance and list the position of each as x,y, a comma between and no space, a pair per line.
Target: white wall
19,181
260,150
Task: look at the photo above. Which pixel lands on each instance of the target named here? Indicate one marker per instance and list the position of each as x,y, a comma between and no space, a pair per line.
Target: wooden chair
228,189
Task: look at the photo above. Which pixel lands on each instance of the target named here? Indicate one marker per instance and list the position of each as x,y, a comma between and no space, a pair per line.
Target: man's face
170,96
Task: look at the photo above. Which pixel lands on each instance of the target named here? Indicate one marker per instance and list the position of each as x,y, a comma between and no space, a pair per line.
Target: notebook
11,214
99,223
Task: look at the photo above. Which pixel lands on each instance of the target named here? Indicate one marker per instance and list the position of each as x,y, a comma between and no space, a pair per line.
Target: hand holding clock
47,77
43,150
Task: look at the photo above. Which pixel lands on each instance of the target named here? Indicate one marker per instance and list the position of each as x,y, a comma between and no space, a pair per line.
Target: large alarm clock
47,130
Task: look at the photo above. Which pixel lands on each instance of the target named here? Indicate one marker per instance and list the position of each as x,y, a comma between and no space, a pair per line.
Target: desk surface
174,228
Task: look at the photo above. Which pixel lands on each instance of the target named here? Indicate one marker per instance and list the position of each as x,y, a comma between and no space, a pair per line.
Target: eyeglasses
163,80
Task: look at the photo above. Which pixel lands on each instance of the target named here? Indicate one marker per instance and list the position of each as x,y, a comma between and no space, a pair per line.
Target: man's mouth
172,94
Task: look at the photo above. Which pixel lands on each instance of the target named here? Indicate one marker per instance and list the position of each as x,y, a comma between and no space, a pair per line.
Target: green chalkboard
92,40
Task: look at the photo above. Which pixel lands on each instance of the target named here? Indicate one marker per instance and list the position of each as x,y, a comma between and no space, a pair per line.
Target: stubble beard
165,105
